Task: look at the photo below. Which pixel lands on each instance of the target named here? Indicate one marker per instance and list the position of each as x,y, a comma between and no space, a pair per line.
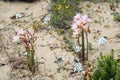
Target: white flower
78,48
78,67
16,39
102,41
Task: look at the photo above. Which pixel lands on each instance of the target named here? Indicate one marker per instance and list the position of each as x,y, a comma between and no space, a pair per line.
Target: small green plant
62,12
117,17
88,5
39,25
107,68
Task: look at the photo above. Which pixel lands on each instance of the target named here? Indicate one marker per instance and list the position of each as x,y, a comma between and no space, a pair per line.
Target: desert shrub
63,12
107,68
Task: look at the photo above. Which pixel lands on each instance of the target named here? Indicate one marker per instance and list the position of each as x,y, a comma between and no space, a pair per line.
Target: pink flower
21,32
74,26
86,19
80,23
25,36
77,17
24,39
75,34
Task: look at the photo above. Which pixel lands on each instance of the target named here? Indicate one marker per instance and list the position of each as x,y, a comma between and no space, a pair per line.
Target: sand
102,22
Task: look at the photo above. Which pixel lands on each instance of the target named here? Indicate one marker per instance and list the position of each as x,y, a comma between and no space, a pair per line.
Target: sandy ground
102,23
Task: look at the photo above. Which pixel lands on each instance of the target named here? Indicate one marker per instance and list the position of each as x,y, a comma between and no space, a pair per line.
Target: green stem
30,60
117,3
32,64
83,48
78,40
87,45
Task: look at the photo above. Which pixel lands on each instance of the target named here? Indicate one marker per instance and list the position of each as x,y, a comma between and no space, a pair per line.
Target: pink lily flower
75,32
74,26
86,19
80,23
77,17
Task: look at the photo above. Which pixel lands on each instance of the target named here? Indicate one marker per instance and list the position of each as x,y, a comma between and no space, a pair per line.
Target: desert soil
102,25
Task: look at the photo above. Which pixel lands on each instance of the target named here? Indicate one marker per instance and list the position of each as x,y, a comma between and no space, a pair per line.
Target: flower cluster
80,23
26,37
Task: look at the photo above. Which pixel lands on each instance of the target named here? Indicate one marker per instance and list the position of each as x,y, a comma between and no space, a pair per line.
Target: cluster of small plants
63,12
107,68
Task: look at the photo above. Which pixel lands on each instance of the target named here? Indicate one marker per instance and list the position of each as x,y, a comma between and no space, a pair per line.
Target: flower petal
77,16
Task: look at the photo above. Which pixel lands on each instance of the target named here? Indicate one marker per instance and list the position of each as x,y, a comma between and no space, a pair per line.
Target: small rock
76,59
42,60
53,46
83,72
59,60
106,26
68,67
18,15
2,64
50,74
16,39
114,13
25,53
42,45
46,18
